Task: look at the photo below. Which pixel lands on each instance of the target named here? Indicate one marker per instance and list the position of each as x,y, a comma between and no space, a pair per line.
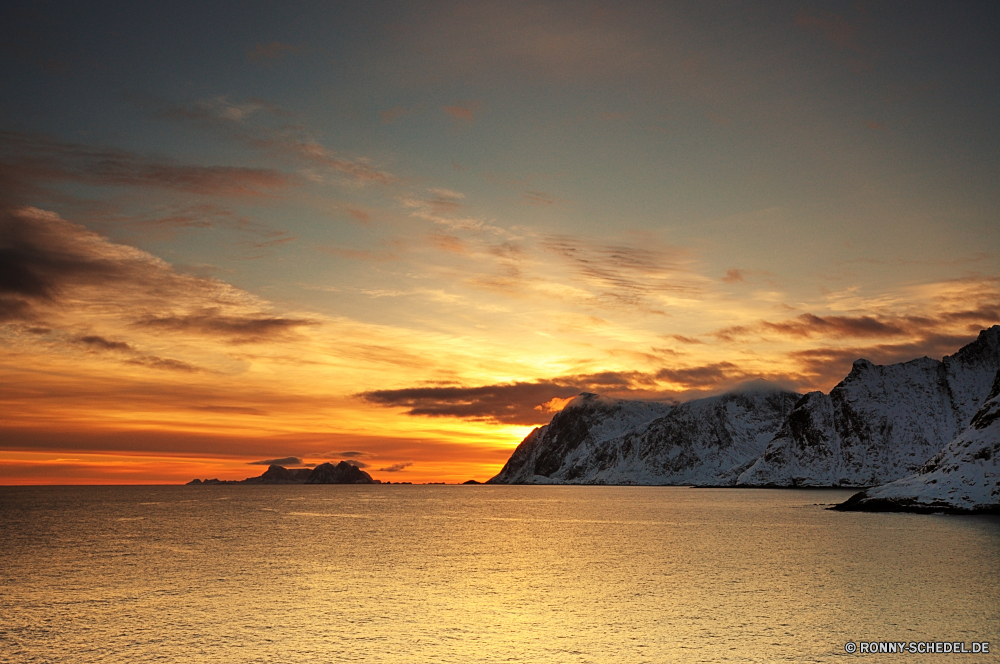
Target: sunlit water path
481,574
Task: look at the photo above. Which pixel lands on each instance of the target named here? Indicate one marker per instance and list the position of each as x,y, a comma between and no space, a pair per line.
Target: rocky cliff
881,423
583,423
342,473
964,477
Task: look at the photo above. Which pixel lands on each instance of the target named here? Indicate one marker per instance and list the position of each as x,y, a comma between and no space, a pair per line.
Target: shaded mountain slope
963,477
596,440
880,423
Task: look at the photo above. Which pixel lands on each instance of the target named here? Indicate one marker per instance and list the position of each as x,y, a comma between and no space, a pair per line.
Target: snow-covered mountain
582,423
963,477
881,423
597,440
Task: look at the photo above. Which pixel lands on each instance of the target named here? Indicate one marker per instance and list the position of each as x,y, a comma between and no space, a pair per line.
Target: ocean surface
469,574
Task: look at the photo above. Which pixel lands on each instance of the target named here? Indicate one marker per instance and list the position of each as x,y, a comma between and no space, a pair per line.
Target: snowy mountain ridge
705,441
878,425
963,477
881,423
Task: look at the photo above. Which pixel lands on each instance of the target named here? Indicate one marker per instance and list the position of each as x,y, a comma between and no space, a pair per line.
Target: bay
481,574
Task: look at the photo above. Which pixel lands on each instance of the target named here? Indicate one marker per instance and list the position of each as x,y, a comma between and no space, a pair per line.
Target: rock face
280,475
881,423
597,440
964,477
342,473
573,431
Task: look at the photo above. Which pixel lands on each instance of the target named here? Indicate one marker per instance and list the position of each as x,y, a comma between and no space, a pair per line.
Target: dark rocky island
342,473
325,473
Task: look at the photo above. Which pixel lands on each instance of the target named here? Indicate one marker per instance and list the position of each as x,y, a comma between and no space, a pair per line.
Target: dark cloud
163,363
396,467
711,375
808,325
532,403
32,158
513,403
237,329
978,317
101,343
608,380
40,254
686,340
732,333
13,309
95,342
48,265
283,461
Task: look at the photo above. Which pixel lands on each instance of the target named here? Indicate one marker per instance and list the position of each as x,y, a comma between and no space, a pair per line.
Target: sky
404,234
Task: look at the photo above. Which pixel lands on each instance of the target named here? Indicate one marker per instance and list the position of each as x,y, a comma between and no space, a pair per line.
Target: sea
466,574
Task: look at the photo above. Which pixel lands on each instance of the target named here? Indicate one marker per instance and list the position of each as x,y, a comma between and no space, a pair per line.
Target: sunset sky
404,234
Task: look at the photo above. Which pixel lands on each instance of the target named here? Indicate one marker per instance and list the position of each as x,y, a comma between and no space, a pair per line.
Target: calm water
481,574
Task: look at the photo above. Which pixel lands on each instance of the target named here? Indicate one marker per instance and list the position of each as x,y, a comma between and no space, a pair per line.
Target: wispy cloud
360,216
627,275
464,112
448,208
95,341
31,158
282,461
395,113
396,467
734,276
712,375
54,269
538,198
809,325
237,329
133,356
252,123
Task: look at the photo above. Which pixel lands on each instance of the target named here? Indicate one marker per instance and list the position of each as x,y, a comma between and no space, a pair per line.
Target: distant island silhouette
325,473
